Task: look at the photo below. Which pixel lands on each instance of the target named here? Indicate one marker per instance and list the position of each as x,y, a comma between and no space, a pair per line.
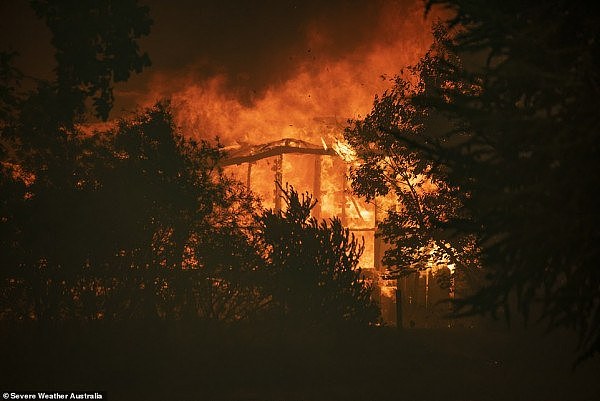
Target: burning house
266,105
322,170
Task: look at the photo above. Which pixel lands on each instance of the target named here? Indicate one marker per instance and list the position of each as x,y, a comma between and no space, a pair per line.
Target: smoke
259,71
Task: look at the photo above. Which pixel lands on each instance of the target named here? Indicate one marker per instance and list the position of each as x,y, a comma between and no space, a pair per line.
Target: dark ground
181,362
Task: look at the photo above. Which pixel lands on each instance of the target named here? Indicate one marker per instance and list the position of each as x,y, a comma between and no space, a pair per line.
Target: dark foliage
511,99
122,229
96,45
141,223
313,267
421,209
47,173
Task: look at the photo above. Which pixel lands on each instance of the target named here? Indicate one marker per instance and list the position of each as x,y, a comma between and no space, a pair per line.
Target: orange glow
313,105
344,151
18,173
316,102
339,89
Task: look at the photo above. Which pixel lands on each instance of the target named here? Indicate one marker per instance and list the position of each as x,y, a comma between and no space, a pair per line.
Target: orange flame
313,105
338,88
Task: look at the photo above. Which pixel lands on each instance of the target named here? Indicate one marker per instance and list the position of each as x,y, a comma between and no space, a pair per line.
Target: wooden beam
276,151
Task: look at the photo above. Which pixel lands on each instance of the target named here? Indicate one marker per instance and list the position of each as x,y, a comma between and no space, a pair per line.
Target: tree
420,201
145,221
314,273
421,207
96,46
42,153
512,103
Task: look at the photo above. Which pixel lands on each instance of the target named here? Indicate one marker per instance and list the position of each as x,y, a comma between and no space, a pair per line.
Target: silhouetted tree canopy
420,207
127,228
96,46
508,103
47,165
141,223
313,266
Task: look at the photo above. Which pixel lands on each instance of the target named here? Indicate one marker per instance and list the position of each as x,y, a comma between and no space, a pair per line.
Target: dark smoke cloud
254,44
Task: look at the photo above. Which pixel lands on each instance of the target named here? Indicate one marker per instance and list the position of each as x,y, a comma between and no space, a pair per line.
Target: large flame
316,101
313,104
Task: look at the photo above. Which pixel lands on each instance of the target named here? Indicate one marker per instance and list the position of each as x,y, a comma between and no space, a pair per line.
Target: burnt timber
250,154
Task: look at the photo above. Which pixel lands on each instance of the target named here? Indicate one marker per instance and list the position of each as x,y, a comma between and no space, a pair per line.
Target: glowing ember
345,151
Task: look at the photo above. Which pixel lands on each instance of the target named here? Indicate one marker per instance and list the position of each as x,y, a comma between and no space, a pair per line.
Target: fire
312,105
338,87
344,150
